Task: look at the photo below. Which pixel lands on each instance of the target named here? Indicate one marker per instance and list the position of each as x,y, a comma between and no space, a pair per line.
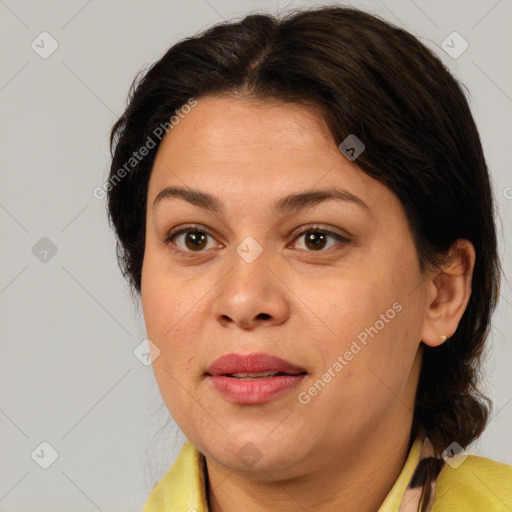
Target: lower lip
254,391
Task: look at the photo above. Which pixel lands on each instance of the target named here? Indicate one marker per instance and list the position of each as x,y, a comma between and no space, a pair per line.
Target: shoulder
474,483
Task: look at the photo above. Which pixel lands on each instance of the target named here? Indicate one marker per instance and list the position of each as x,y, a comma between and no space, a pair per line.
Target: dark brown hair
368,78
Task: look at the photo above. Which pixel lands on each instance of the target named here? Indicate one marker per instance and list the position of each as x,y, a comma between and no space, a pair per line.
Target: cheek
373,323
169,327
162,305
174,312
167,323
348,307
162,295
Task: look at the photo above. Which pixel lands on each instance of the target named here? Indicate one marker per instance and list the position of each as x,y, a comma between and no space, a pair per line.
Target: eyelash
310,228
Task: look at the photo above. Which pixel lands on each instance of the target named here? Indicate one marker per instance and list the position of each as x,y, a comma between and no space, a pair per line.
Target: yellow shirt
476,485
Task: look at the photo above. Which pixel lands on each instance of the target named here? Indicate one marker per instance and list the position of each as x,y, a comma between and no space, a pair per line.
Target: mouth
254,378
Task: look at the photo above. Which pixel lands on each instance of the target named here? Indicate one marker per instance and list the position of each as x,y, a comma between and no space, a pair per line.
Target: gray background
68,327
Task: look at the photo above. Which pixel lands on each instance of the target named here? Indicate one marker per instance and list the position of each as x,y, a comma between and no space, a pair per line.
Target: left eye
316,238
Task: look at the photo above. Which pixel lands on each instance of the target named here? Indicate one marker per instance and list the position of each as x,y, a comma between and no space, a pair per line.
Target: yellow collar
182,489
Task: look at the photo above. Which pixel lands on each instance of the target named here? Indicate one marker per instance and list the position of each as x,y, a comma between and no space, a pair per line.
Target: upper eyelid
319,227
296,232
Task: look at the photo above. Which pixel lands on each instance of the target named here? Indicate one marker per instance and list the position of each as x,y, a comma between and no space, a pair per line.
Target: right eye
191,237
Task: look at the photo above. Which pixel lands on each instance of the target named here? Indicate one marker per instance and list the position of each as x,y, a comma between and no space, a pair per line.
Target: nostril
264,316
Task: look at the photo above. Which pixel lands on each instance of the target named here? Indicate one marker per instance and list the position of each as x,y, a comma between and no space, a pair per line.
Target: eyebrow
286,204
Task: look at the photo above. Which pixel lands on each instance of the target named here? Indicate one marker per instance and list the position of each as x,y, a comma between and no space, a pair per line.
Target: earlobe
449,292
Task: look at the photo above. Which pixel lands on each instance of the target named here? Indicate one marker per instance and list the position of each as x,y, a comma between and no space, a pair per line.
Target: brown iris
316,239
195,239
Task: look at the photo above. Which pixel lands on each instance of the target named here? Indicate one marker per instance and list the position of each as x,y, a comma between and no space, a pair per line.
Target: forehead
230,121
255,152
243,137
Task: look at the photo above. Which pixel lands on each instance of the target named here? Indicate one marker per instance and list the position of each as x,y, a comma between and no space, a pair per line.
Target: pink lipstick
253,378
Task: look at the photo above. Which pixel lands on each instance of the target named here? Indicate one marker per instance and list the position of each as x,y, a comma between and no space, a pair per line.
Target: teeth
254,375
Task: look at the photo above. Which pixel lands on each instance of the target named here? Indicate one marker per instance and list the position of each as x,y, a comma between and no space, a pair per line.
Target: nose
251,294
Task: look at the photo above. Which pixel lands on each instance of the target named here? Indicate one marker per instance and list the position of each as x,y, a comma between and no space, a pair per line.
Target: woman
304,207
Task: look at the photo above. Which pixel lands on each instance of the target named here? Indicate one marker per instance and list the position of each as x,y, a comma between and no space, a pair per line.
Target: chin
257,453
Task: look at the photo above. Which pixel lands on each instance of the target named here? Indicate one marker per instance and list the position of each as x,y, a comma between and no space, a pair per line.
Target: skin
345,448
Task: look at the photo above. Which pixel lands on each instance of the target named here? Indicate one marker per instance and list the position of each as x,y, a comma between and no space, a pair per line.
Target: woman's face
332,286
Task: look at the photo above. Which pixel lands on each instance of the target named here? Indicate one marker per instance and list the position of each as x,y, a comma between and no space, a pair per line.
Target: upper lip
251,363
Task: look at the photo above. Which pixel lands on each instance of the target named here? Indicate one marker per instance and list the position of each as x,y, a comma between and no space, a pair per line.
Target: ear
448,292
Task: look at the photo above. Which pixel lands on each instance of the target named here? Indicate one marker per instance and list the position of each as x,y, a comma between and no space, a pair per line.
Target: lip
251,363
257,390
